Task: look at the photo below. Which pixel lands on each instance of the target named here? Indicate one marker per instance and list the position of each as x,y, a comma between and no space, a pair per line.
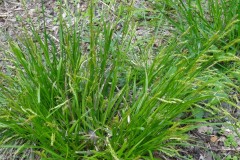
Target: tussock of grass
106,102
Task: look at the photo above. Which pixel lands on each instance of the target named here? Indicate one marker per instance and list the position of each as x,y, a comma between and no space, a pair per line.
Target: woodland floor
209,143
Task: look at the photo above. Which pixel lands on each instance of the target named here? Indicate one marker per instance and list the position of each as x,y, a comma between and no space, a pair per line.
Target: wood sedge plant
63,101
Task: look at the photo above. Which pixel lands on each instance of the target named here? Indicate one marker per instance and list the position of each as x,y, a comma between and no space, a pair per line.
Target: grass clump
64,100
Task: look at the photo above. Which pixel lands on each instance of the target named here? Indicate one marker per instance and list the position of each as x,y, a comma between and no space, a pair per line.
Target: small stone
205,129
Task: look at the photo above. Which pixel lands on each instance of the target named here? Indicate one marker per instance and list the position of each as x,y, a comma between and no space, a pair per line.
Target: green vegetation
99,91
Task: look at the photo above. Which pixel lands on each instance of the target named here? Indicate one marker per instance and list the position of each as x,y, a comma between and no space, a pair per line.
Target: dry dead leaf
214,138
222,139
31,12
